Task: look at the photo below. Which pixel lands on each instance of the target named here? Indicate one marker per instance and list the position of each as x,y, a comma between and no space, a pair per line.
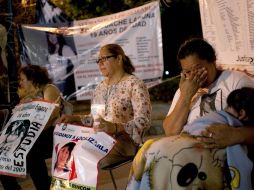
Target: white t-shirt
61,174
214,98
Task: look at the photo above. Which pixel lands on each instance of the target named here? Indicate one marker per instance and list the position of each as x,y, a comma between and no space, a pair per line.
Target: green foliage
84,9
75,9
165,91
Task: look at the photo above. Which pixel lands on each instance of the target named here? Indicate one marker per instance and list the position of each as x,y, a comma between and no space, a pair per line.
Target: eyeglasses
104,58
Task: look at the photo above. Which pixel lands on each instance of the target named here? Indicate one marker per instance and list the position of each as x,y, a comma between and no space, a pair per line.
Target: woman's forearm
244,135
174,122
135,128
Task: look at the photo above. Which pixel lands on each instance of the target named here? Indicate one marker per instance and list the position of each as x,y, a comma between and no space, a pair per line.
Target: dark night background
180,20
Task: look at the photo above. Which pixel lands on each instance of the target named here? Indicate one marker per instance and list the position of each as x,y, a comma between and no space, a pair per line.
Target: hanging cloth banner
72,63
77,151
19,135
229,26
48,13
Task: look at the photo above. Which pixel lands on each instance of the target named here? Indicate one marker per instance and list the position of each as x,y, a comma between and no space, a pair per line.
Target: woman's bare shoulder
51,92
51,87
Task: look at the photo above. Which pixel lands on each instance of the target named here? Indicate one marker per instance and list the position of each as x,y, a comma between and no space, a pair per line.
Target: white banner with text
229,26
77,152
19,135
70,53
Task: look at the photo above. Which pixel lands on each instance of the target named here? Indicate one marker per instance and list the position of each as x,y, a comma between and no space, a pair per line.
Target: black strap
227,175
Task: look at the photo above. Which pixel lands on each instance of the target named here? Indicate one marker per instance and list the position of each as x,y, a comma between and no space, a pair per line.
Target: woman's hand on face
68,119
219,136
191,82
101,125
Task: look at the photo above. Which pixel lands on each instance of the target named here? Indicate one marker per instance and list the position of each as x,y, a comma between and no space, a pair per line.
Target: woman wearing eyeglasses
120,105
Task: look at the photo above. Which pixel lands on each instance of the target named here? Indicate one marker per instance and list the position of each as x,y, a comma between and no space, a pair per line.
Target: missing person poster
19,135
73,66
77,152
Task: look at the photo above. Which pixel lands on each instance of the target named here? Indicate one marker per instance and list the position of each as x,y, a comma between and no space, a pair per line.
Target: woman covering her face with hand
203,88
120,105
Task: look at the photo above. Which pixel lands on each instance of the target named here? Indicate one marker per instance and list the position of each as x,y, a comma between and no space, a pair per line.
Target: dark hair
35,73
61,42
115,49
70,146
199,47
243,99
52,47
22,124
23,127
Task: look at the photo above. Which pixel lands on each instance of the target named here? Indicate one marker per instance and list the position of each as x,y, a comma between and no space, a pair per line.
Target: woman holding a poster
35,84
120,105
